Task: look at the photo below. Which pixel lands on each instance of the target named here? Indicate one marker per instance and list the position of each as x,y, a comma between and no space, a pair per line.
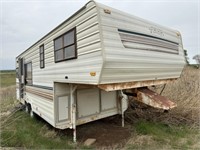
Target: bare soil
105,132
108,132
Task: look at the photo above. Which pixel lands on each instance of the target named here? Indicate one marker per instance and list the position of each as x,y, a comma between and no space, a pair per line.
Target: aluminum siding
88,50
42,106
127,64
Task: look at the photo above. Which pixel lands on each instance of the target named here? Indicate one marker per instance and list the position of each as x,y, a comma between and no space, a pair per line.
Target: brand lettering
157,31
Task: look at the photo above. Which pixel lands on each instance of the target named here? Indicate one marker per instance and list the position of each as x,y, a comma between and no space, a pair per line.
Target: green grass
7,78
31,133
156,135
22,131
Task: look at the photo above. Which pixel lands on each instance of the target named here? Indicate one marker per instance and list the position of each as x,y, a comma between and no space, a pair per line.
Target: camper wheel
29,110
32,114
27,107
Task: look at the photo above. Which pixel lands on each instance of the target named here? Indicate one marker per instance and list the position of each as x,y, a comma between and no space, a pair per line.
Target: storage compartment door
108,100
63,108
88,102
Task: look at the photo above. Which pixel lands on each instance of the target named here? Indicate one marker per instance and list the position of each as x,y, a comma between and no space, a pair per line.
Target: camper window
28,73
65,46
69,38
42,56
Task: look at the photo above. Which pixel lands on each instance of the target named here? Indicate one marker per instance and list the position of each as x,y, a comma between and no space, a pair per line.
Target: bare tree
197,58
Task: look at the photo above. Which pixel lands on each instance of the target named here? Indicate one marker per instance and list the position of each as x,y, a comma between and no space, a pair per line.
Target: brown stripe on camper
147,42
40,92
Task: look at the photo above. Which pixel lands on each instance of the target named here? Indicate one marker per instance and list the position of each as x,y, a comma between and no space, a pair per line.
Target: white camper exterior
64,76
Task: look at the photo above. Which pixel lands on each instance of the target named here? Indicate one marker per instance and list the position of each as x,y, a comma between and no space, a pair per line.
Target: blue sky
25,22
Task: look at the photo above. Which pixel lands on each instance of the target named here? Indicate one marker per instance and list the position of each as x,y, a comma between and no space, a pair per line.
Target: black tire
27,108
32,114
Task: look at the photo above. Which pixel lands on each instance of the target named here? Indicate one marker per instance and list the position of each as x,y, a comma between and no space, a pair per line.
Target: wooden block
89,142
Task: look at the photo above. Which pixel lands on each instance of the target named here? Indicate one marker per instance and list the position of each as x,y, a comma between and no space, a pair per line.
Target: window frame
42,61
28,81
63,47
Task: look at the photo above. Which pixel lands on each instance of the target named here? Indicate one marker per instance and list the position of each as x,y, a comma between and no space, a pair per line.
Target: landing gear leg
124,105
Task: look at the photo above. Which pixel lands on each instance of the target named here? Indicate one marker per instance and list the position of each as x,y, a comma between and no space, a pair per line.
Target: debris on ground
89,142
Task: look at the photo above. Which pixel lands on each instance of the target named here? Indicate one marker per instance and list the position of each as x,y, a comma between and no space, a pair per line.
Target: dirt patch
108,133
141,140
105,133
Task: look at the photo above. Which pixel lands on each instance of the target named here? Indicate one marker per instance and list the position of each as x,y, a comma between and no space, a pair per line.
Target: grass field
24,132
7,78
144,128
155,135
